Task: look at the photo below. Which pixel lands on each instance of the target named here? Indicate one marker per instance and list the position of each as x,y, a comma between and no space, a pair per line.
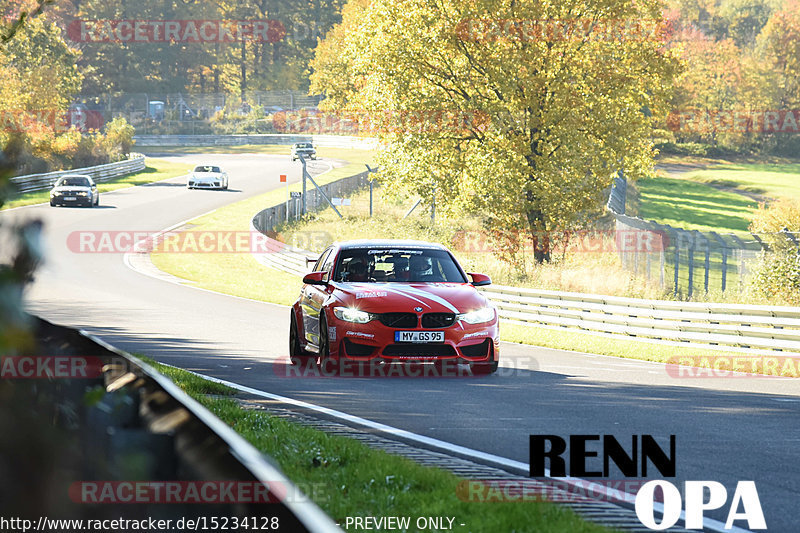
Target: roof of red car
388,243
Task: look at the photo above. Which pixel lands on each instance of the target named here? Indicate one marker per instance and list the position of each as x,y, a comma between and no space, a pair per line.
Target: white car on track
207,177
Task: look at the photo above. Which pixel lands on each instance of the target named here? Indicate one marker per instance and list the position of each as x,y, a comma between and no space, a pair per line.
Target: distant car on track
207,177
306,150
393,301
75,189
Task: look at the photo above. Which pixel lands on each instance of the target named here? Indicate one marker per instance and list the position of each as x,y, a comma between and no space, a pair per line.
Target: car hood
405,297
72,188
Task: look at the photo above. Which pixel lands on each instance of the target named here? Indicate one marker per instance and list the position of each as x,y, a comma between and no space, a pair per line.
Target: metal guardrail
749,328
99,173
288,258
143,417
331,141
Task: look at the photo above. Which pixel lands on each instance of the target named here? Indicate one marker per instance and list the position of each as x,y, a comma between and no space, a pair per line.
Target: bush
694,149
39,149
118,139
777,274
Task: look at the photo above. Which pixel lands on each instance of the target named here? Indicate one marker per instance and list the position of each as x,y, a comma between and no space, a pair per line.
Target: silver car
207,177
306,150
75,189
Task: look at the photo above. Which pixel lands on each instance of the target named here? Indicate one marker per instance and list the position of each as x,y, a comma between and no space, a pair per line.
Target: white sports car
207,177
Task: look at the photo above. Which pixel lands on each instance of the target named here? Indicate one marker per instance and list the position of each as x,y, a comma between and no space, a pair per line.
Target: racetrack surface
726,429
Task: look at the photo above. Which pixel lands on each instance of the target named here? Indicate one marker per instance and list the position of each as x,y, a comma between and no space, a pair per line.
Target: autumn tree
519,110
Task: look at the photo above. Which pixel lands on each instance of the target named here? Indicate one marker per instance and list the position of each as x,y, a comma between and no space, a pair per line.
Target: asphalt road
726,429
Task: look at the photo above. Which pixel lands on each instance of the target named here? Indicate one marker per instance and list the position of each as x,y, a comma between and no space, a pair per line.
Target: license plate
419,336
69,198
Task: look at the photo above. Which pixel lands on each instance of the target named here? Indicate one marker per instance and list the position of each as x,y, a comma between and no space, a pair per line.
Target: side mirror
479,280
315,278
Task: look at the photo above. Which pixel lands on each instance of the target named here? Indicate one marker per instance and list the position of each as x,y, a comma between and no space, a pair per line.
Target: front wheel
297,354
327,365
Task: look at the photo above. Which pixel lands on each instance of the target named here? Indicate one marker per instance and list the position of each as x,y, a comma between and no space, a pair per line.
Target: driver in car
419,266
357,269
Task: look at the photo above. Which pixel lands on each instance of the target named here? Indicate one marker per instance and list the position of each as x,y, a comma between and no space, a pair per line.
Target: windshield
206,168
73,182
397,265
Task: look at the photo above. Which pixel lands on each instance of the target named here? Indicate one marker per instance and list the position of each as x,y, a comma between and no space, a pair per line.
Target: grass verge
155,170
239,274
715,194
347,478
685,204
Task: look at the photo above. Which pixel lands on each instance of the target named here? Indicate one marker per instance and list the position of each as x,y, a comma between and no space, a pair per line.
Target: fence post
690,261
706,263
724,251
677,263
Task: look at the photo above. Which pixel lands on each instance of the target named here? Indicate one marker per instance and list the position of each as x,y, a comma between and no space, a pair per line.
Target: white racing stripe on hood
427,295
401,293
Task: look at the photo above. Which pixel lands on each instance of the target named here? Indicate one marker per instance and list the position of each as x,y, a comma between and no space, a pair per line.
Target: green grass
155,170
347,478
685,204
191,384
709,199
774,180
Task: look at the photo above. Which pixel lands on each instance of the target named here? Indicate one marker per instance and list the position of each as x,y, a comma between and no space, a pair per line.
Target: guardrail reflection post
305,173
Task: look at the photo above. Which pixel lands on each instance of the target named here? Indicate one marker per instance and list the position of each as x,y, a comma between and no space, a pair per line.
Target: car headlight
478,316
348,314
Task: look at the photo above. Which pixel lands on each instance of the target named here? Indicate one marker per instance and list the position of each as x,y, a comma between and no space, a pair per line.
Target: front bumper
206,182
78,200
463,343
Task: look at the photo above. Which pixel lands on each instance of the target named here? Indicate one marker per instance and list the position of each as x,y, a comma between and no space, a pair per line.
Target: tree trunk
540,238
243,85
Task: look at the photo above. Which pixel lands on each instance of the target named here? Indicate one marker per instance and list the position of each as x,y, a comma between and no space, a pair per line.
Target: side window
328,264
321,260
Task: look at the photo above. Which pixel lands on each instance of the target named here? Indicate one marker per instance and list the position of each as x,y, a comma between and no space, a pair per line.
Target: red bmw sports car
393,301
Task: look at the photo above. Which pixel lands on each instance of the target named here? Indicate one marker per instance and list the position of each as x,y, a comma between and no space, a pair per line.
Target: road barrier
141,430
330,141
747,328
99,173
